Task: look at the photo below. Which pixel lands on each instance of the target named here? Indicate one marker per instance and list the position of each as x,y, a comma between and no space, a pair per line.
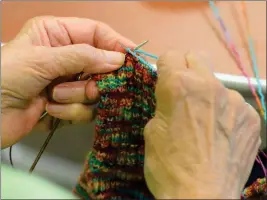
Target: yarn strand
253,56
232,46
146,54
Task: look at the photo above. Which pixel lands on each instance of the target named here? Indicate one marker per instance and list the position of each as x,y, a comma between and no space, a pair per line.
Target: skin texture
204,138
201,143
38,69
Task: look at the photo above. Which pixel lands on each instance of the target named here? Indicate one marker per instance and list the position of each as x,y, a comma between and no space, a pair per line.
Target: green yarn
114,168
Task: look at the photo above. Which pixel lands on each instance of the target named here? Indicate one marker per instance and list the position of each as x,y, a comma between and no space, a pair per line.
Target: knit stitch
114,168
257,189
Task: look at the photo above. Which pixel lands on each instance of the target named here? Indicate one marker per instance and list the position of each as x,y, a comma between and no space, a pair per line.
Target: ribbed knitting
257,189
114,168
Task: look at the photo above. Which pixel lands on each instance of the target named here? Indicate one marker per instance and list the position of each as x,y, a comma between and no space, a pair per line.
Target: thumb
170,66
73,59
170,62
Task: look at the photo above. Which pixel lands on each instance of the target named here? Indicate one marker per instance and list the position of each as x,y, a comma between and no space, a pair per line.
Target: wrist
209,184
197,188
206,192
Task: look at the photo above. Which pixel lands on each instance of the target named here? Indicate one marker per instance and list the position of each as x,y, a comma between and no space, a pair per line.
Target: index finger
94,33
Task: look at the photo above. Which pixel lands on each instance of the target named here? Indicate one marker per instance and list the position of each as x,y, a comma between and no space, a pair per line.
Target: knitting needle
49,136
43,115
44,145
10,149
138,50
133,53
140,45
10,156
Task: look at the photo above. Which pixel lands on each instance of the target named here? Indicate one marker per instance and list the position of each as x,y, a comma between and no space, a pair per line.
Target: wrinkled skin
204,138
38,70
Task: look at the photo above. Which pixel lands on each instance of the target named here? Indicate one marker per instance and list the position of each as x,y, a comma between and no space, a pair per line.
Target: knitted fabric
257,189
114,168
256,184
257,171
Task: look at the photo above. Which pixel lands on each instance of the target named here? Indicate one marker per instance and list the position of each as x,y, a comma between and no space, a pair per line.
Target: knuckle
259,143
38,19
168,57
236,97
101,54
92,90
255,119
254,114
96,55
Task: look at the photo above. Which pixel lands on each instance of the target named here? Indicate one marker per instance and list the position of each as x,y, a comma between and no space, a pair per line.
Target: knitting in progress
114,168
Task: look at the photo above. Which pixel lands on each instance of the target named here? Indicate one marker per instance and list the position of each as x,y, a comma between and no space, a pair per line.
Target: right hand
204,138
48,51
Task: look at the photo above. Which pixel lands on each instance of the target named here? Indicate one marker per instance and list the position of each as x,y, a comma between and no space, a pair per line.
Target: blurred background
168,25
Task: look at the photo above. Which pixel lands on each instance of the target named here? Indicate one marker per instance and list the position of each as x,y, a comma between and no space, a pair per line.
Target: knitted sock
257,189
256,184
114,168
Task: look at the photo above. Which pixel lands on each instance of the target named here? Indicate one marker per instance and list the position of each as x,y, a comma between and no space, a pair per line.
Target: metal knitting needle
10,149
43,115
10,156
140,45
44,145
137,47
57,122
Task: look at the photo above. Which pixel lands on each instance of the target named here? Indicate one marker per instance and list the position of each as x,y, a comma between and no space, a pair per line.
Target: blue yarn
146,54
256,73
139,58
214,9
252,53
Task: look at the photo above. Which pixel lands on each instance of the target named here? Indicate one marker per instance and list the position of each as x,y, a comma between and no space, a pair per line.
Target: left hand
204,138
47,54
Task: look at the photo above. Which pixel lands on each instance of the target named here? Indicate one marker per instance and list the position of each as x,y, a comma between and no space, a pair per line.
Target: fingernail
61,93
92,91
115,58
54,108
190,59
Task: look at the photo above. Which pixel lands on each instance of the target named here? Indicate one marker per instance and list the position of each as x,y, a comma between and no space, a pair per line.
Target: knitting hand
49,51
204,138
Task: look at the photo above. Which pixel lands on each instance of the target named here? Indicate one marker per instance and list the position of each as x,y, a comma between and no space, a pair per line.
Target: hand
204,138
49,51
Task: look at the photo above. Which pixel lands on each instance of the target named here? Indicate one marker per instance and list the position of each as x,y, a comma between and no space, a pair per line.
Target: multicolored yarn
233,48
114,168
253,56
258,188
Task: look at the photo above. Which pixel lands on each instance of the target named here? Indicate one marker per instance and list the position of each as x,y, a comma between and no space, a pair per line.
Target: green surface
16,184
